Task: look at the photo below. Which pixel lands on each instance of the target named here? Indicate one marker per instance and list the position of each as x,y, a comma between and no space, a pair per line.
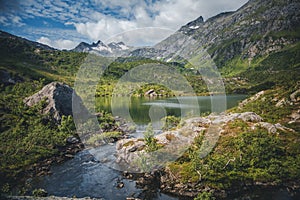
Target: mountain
99,48
252,33
22,60
12,44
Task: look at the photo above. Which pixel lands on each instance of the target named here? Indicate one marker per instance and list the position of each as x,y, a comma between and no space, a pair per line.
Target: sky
63,24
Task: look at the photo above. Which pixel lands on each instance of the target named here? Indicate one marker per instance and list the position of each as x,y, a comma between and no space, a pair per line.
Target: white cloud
103,19
170,14
10,19
58,44
3,20
17,21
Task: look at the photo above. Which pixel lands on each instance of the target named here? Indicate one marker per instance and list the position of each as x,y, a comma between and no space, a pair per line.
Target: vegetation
27,136
39,193
27,62
205,196
151,143
105,136
242,157
266,107
170,122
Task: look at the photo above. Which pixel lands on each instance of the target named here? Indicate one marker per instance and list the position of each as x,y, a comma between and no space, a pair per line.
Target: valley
242,71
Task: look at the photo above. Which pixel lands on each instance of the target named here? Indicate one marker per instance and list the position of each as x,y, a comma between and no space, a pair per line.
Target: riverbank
252,153
246,155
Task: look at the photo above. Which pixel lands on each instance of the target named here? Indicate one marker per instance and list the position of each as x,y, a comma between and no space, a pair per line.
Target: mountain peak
99,43
100,48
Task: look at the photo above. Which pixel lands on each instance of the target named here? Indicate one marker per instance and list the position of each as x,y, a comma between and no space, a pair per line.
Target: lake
140,108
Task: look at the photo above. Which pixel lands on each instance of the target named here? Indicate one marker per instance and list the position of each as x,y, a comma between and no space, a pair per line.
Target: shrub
39,193
205,196
150,140
170,122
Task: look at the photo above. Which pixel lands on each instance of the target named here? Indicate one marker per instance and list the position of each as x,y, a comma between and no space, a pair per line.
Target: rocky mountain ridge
99,48
257,29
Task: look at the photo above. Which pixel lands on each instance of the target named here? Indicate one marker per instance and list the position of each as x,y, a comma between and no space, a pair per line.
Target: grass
103,136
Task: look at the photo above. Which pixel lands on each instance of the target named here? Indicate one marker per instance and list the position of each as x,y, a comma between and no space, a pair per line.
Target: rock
69,155
150,93
127,175
251,99
250,117
295,96
58,97
281,103
72,140
225,118
283,128
270,127
132,198
295,117
120,185
175,142
198,120
133,149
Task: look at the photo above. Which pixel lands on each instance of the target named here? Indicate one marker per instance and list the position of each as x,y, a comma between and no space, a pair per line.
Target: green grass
256,156
103,136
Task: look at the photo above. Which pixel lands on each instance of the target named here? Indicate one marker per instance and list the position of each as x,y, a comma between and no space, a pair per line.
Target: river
85,176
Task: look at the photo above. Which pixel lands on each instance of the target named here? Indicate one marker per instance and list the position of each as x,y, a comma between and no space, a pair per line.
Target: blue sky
64,23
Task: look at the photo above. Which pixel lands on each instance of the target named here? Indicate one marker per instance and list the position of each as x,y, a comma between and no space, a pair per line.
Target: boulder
72,140
150,93
58,97
281,103
250,117
294,96
295,117
270,127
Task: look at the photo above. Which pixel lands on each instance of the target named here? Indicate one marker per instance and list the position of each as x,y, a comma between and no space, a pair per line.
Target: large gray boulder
58,97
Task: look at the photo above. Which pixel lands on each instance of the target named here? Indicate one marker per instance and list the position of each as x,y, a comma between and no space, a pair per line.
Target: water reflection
139,107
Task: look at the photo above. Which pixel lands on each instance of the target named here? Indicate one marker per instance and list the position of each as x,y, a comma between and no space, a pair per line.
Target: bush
205,196
150,140
170,122
39,193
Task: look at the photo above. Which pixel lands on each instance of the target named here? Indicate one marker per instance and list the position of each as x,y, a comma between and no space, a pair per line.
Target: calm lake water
140,108
85,176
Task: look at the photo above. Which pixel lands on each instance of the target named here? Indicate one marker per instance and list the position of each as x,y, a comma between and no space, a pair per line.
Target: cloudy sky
64,23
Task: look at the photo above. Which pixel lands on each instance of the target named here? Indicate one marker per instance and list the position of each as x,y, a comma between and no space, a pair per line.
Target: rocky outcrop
251,99
129,151
58,98
295,96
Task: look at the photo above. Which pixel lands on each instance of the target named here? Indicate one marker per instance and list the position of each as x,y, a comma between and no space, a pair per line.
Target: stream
89,176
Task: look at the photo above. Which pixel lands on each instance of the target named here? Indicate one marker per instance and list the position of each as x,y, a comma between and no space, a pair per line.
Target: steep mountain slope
21,59
236,39
10,42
